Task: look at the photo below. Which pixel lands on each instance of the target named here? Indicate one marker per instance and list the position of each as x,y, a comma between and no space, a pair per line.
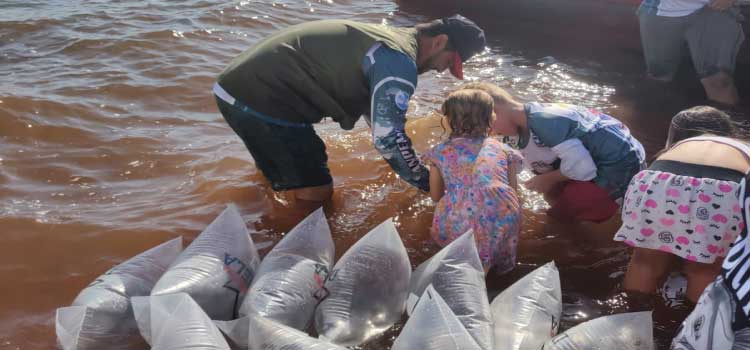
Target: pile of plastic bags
102,314
217,294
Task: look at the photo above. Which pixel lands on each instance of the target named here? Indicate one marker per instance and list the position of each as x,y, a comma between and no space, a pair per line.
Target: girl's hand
721,5
437,186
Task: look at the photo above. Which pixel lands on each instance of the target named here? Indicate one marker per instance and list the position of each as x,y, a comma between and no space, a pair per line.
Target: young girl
473,179
685,204
583,159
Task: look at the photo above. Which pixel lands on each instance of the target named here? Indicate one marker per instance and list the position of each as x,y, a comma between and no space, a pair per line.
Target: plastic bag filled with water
289,282
433,326
629,331
101,316
527,313
256,332
456,273
236,332
674,290
176,322
216,269
367,289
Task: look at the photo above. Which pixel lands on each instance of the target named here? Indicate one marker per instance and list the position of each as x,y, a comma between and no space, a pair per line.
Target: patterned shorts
694,217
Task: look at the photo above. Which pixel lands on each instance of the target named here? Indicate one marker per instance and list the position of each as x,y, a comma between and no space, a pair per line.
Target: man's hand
721,5
545,182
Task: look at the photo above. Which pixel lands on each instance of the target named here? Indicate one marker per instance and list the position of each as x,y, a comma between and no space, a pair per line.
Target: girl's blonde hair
469,113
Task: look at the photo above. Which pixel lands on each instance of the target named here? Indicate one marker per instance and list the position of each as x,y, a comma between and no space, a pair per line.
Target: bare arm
513,176
437,187
513,180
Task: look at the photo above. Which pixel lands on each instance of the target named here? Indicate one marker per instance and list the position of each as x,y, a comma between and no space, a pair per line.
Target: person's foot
720,87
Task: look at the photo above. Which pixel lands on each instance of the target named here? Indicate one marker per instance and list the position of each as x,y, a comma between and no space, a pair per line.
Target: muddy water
110,143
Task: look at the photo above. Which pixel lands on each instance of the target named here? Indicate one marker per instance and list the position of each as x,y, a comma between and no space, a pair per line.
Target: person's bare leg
315,193
699,276
647,268
720,88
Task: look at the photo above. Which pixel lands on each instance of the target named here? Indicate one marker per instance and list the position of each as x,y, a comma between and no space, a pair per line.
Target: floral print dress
478,196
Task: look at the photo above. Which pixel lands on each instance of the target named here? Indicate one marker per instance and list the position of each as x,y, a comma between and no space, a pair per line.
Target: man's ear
439,42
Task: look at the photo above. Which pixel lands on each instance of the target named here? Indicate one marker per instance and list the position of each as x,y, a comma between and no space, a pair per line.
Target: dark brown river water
110,142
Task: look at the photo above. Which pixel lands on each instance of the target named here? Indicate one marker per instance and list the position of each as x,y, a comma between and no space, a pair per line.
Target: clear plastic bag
101,316
236,331
289,282
367,289
629,331
256,332
456,273
176,322
433,326
216,269
527,313
674,290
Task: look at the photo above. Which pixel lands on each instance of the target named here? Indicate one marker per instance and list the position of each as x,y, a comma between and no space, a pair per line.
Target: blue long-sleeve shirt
392,76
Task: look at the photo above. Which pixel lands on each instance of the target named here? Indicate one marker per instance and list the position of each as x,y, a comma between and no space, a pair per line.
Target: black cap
464,35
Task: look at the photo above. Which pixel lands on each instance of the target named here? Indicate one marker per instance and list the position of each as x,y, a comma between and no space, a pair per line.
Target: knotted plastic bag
433,326
289,282
456,273
527,314
368,288
101,316
216,269
176,322
629,331
255,332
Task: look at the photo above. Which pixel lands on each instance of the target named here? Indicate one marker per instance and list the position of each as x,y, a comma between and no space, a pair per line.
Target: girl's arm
513,171
513,176
437,187
515,164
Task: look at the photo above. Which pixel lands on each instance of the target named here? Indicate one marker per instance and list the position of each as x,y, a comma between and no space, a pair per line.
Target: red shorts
581,201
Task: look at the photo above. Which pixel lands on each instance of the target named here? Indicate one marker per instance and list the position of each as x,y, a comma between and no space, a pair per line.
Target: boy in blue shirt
583,159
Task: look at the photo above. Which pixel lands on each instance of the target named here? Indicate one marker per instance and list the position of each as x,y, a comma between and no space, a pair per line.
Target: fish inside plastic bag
527,314
216,269
367,288
457,275
433,326
628,331
289,282
256,332
101,316
176,322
